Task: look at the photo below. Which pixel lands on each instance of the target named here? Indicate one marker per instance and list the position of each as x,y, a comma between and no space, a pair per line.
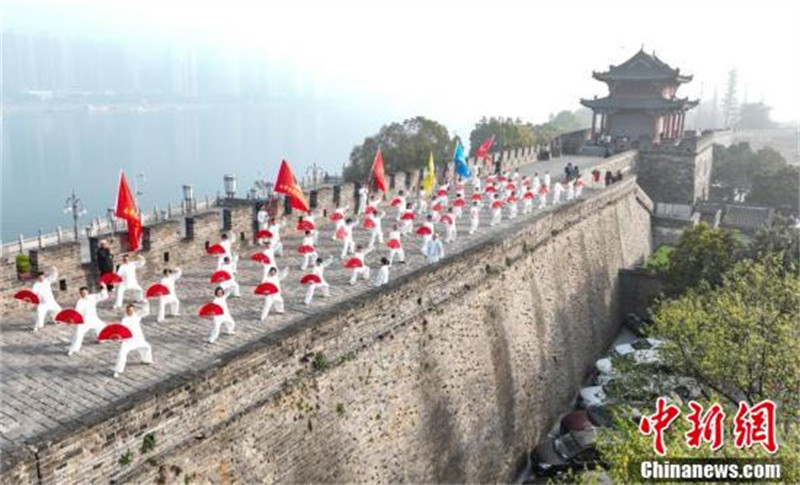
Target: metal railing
98,226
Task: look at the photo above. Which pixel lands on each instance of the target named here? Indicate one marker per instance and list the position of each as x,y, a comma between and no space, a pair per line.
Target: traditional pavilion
641,100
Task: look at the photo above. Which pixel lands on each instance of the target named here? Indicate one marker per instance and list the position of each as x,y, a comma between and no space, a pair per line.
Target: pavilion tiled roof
642,67
654,103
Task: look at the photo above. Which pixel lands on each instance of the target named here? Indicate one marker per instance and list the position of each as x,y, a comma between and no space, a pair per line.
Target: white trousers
497,215
348,246
408,227
230,325
527,206
94,325
324,288
270,301
362,271
42,310
399,253
425,240
277,247
473,224
144,349
375,235
450,234
308,258
170,301
543,201
122,288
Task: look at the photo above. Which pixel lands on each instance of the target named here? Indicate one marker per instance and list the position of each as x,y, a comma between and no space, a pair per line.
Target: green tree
779,240
762,177
742,338
563,122
703,254
509,134
778,188
405,146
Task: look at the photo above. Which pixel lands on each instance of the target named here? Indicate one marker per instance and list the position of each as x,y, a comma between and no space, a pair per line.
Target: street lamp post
74,206
314,172
188,197
230,185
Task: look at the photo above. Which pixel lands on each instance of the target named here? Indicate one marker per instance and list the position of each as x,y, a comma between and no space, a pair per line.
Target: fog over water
185,92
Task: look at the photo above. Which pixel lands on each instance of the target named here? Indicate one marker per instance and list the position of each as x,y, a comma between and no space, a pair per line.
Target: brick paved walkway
43,388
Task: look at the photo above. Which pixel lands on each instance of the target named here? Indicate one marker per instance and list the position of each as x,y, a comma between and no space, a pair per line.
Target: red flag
287,185
378,173
483,150
126,209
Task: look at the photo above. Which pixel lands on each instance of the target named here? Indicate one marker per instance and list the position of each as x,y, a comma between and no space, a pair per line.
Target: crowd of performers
430,220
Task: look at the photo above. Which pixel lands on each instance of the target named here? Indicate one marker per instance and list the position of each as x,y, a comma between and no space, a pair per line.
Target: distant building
642,100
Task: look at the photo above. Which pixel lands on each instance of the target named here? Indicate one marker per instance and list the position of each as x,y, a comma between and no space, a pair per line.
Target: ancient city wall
447,374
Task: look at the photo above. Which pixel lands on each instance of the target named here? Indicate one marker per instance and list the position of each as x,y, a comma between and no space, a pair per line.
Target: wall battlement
447,374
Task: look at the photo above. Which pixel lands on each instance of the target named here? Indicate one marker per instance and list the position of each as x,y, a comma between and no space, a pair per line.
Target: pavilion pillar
594,122
673,125
680,124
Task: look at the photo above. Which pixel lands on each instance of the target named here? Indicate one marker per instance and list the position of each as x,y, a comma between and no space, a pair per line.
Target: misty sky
456,61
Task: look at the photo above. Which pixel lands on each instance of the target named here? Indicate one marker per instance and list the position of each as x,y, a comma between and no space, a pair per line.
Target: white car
592,396
643,351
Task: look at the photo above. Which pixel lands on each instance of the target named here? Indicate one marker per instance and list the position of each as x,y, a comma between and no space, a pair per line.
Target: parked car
587,419
571,451
637,325
642,351
591,396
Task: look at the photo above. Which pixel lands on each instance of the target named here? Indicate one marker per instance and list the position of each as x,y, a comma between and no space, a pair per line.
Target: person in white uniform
276,299
308,258
422,202
363,197
382,275
221,299
227,245
348,245
137,342
434,251
169,301
87,307
361,254
557,190
231,284
398,251
401,203
340,219
127,271
262,217
319,270
474,217
450,228
376,233
275,229
427,237
47,302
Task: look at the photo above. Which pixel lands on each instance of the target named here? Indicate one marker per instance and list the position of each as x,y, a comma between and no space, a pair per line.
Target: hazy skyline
458,61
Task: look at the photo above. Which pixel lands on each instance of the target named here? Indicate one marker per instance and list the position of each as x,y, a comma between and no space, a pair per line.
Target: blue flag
460,160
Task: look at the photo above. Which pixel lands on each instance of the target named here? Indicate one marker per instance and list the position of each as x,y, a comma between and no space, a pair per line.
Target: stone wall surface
448,374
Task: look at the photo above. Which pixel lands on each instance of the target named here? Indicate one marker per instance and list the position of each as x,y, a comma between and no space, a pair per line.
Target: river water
48,152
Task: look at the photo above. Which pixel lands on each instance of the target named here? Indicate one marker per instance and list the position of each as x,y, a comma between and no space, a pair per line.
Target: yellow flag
430,177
